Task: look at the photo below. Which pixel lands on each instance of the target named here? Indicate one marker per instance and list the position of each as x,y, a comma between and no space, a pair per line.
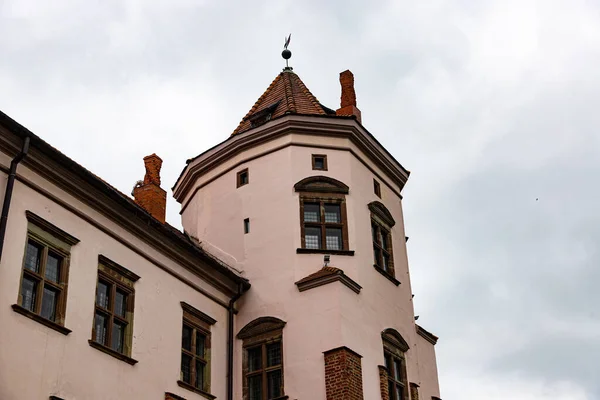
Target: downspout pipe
230,312
10,183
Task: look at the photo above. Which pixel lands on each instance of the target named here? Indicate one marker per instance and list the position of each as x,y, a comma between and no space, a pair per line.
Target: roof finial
286,54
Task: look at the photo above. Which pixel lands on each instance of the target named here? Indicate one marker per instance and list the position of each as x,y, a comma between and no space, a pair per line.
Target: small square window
247,225
243,178
319,162
377,188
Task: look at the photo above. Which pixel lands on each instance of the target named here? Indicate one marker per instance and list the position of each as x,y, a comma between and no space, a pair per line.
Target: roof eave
276,127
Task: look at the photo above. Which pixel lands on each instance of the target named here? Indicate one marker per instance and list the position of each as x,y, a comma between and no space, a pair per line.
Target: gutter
10,183
230,312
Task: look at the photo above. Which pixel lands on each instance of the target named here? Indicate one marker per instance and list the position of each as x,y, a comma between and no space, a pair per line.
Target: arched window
381,232
323,221
262,358
394,347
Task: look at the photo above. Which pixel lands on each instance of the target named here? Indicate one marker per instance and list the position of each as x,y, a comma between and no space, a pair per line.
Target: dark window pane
53,265
319,163
186,368
388,362
384,240
377,253
312,238
49,300
200,344
247,225
374,233
386,262
199,374
254,359
399,393
186,338
120,303
33,256
118,336
333,238
333,213
103,294
391,390
28,293
255,388
274,384
243,178
397,369
274,354
312,212
100,323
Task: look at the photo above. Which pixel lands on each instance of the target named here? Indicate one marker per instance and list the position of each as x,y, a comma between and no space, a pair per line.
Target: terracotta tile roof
323,272
327,275
287,94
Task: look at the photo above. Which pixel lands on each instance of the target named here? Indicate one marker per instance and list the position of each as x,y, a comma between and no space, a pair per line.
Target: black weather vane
286,54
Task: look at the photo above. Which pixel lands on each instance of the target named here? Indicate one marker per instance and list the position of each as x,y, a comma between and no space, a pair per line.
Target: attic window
258,121
263,116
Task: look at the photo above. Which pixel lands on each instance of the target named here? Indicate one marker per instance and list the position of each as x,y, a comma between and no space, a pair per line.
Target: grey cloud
491,104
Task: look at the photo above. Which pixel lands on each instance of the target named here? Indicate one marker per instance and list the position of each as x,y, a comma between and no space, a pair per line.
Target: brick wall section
153,163
414,391
343,374
149,195
383,382
348,94
172,396
348,98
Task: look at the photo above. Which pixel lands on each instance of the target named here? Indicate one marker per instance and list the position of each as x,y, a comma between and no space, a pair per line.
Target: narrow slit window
377,188
247,225
243,178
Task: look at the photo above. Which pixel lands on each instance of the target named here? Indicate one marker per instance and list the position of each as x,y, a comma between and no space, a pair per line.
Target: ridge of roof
125,201
286,86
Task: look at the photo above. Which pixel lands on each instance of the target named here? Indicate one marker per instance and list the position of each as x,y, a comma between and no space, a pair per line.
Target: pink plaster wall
428,376
326,317
36,362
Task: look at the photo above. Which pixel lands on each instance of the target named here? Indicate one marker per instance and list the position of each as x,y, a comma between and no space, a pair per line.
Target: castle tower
307,204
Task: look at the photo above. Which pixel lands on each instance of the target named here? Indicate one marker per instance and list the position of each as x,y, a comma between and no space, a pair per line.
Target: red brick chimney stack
148,194
348,99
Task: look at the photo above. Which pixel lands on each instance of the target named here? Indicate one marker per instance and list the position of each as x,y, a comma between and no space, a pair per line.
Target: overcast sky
494,106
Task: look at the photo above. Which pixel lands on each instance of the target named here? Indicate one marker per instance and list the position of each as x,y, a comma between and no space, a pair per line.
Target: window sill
321,251
196,390
387,275
111,352
31,315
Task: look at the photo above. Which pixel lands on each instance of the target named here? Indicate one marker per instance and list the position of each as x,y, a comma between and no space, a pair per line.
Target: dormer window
319,162
263,116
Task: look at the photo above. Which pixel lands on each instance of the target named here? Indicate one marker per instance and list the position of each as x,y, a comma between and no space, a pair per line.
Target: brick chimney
348,99
148,194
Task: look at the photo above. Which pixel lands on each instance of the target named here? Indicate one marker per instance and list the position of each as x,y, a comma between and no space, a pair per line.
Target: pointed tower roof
287,94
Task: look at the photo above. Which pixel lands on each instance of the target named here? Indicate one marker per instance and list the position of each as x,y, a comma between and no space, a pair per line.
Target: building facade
290,280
